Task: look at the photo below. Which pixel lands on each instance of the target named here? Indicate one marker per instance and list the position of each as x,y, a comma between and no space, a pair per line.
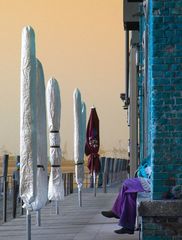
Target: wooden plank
73,223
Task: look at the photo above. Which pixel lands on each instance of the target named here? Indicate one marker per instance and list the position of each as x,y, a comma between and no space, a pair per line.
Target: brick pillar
165,124
166,95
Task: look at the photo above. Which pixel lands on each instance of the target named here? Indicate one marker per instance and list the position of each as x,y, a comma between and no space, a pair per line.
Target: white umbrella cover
84,116
78,137
56,186
41,197
28,137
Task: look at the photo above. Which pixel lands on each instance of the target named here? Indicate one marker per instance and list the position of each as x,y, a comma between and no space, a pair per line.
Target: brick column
166,95
165,123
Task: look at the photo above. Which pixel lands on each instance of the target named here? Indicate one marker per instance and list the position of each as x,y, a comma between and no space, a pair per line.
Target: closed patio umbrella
92,145
84,119
28,136
79,113
56,186
41,196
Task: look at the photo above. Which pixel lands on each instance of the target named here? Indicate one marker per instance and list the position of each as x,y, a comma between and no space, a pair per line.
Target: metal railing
11,204
112,171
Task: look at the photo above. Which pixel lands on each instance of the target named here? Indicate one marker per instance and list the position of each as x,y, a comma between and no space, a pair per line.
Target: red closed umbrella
93,143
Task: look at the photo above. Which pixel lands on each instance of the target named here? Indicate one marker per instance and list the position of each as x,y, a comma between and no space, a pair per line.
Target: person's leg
128,215
115,212
125,205
118,204
131,185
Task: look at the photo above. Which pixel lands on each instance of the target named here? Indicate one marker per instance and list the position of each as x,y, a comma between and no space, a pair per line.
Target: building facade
159,98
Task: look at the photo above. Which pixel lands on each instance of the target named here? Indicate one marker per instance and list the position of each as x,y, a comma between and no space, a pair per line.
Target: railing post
14,186
105,175
14,198
108,171
104,183
71,183
112,168
21,207
86,181
115,162
101,173
1,186
5,165
117,169
68,183
5,185
64,177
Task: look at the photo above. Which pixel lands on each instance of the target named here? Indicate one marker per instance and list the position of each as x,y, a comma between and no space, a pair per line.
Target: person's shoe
109,214
124,230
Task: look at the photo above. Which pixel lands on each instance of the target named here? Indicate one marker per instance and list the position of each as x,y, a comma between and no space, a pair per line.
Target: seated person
124,207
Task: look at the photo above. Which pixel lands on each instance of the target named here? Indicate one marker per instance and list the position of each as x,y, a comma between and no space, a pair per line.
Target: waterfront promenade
73,222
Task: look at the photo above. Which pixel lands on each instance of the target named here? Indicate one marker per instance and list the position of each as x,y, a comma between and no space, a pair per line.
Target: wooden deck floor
73,222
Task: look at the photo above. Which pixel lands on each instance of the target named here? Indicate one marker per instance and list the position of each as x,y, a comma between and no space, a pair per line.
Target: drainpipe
126,69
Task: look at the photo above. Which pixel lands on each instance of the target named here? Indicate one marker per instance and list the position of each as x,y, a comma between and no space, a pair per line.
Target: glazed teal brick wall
161,228
165,74
164,86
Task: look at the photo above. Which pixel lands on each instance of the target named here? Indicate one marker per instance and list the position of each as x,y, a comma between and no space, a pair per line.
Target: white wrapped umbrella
84,116
79,113
41,197
56,186
28,137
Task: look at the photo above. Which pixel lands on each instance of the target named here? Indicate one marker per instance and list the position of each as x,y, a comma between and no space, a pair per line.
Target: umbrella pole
80,195
94,176
38,218
57,208
28,224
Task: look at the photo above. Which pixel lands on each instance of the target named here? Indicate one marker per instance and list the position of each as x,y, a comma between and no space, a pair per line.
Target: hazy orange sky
81,44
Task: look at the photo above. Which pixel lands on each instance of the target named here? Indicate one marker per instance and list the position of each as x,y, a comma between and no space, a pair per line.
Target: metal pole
4,201
57,208
28,224
71,182
64,177
5,185
94,175
5,165
14,198
38,217
126,66
80,196
67,184
104,183
105,175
